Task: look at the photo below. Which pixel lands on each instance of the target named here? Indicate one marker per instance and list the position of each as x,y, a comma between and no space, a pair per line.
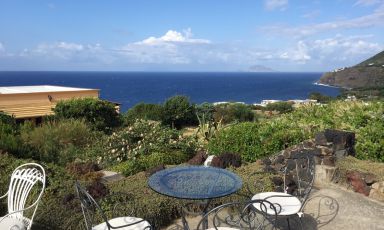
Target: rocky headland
369,73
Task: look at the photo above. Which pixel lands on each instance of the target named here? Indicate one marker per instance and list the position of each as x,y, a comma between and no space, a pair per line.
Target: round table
195,182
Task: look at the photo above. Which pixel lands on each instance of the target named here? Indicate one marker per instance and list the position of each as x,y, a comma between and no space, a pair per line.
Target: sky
188,35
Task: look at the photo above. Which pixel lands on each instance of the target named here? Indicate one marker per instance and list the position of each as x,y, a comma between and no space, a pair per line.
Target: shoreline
332,86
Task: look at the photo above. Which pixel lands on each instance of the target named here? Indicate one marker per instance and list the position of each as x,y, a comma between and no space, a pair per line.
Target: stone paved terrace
330,208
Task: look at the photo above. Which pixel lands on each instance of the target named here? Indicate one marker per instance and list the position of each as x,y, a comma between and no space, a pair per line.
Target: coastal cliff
369,73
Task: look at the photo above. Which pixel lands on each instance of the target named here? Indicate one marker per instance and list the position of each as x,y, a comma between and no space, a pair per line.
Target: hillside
369,73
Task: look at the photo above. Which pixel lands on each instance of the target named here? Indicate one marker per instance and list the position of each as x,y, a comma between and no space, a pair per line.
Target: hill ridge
368,73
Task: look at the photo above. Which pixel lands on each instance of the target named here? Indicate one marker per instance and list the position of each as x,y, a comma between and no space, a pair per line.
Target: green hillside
377,60
367,74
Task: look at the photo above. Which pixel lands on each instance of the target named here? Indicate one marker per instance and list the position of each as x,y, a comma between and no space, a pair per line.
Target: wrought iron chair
92,210
237,215
23,181
291,203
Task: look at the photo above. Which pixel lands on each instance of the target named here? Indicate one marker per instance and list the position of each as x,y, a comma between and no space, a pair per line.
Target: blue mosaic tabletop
195,182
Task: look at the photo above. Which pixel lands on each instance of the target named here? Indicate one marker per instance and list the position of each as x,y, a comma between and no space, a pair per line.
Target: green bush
178,112
281,106
9,137
233,112
254,141
144,138
132,167
321,98
143,111
58,141
370,143
6,119
101,115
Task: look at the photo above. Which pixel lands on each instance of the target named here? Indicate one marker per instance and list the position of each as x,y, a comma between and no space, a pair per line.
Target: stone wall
327,147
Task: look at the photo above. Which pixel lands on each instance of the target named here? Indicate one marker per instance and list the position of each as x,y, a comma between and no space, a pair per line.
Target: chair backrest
303,174
91,209
23,179
241,215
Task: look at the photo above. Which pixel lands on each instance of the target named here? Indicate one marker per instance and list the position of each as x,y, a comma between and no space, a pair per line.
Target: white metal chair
286,204
23,180
92,210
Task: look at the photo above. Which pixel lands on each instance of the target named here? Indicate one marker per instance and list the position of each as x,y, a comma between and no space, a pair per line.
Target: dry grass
364,166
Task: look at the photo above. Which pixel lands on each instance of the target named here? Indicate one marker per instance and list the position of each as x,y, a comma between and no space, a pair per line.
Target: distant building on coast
295,103
35,102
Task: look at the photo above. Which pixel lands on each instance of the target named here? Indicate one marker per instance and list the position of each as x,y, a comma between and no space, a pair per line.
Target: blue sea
130,88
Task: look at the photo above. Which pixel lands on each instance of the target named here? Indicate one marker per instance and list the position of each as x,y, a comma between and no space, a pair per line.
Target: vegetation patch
256,140
364,166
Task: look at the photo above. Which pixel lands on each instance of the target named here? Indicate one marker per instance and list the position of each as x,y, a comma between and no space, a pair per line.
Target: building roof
38,89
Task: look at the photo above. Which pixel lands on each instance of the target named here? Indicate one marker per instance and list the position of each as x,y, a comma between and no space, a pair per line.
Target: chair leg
301,223
289,226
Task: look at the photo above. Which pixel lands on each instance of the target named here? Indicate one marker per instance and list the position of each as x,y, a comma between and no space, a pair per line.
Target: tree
101,115
178,112
321,98
281,106
233,112
145,112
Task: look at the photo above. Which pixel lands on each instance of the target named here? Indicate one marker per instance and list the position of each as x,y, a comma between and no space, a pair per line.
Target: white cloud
174,37
374,19
58,48
367,2
311,14
275,4
342,48
173,47
179,51
64,51
299,55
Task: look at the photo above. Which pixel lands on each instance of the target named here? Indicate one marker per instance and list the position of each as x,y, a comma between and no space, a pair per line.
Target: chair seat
9,223
289,204
123,221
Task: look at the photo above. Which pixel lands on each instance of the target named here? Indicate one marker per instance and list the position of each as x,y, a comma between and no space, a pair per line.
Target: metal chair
237,215
291,203
23,180
91,211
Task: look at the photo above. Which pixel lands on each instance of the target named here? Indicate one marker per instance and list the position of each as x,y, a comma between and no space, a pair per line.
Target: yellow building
31,102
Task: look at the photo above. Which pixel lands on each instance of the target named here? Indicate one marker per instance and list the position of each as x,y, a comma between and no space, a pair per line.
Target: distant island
369,73
260,68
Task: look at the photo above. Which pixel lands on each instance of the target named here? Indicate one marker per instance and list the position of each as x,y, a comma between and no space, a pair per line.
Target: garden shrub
281,107
9,137
58,141
143,111
101,115
86,171
144,138
5,118
233,112
253,140
321,98
370,144
178,112
205,110
208,127
134,166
